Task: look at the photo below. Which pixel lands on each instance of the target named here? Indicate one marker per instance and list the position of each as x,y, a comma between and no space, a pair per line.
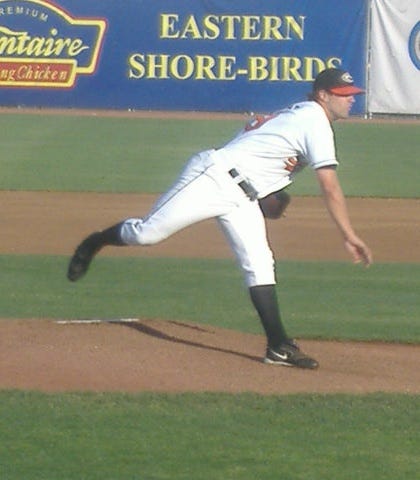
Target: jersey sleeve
320,145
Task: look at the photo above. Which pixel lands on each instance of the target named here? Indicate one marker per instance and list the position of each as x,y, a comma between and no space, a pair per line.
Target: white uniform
267,154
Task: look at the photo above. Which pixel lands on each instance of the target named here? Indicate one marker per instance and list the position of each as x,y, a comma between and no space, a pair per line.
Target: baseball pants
204,190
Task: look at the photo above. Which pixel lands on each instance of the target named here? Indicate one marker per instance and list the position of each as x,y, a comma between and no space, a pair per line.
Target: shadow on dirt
154,332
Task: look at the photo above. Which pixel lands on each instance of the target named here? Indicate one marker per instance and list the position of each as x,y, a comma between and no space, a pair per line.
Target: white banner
394,73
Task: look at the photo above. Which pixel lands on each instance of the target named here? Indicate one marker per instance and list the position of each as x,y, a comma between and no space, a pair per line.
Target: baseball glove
274,205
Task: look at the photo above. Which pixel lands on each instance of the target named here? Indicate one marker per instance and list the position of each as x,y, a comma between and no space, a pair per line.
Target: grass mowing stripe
318,299
208,436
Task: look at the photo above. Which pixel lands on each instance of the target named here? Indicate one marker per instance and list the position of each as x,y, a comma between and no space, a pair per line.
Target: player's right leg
245,229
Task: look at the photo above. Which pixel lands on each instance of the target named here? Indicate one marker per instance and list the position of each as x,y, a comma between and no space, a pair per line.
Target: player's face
335,106
339,106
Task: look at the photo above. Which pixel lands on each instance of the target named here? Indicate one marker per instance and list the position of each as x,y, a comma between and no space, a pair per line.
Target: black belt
248,189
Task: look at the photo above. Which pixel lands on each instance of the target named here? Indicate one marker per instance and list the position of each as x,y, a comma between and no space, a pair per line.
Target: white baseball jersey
271,149
266,154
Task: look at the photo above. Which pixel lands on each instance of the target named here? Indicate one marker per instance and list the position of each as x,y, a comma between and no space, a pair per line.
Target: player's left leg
201,191
89,247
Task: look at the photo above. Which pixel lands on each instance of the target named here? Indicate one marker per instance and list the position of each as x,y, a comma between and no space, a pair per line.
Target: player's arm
337,207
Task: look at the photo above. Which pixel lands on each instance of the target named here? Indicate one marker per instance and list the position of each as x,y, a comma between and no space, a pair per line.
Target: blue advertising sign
209,55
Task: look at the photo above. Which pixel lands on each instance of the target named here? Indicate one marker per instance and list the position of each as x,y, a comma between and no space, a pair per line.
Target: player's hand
359,251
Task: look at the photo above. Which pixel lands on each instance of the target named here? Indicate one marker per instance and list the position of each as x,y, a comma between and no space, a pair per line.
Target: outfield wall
209,55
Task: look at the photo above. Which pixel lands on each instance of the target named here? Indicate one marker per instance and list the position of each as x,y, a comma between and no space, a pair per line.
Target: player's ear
322,95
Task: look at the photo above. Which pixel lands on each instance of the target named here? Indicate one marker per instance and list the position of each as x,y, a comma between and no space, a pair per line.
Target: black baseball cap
336,81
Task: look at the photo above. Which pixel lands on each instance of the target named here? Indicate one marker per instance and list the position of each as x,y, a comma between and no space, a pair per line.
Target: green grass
204,436
99,154
376,160
318,299
52,152
208,436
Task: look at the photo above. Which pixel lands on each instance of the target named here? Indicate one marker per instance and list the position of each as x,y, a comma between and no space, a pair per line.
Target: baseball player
243,182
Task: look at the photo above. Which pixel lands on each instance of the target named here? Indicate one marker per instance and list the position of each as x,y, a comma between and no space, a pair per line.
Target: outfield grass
100,154
208,437
50,152
319,299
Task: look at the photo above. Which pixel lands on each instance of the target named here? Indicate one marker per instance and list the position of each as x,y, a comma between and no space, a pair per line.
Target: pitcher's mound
168,356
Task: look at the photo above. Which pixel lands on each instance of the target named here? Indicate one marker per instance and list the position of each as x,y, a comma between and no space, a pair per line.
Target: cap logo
346,77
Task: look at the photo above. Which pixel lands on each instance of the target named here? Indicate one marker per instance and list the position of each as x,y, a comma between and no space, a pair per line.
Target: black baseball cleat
289,355
83,256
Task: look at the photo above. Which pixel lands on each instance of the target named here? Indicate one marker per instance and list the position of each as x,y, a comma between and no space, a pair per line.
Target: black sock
97,240
265,302
111,236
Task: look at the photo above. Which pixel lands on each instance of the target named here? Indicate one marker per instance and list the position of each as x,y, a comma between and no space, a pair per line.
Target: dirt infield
57,221
164,355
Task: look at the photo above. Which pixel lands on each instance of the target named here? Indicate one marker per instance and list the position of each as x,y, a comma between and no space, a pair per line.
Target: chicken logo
41,45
